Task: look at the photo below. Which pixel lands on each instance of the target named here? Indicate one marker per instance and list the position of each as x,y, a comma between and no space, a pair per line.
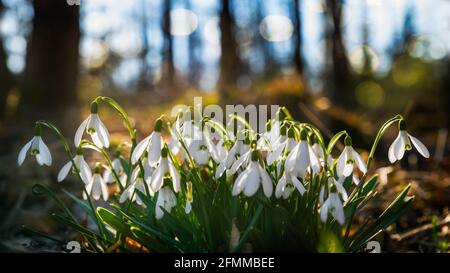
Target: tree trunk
230,62
51,72
298,38
340,73
169,75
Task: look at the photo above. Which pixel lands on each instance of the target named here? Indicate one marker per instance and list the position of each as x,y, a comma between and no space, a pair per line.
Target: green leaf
249,228
83,204
389,216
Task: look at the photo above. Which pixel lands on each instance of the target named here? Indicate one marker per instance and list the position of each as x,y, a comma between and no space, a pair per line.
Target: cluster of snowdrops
288,159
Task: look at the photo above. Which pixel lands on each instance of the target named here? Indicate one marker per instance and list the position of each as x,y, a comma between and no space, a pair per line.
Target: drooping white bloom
81,165
95,128
152,144
348,158
302,159
286,186
166,199
137,184
97,187
282,144
319,154
269,137
239,150
38,149
250,179
165,168
333,205
403,143
338,184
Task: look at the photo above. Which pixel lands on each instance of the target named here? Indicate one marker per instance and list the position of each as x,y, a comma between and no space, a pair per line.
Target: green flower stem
54,129
369,161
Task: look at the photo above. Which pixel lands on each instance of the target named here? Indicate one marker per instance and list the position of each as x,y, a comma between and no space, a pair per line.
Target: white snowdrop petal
340,165
359,162
175,177
96,139
253,180
298,185
314,161
85,171
324,211
240,183
80,131
44,152
220,169
155,146
64,171
103,132
391,153
266,181
399,148
96,187
23,152
140,149
280,186
421,148
238,163
188,207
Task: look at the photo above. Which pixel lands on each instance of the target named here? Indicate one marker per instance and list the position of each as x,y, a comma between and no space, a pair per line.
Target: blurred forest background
342,64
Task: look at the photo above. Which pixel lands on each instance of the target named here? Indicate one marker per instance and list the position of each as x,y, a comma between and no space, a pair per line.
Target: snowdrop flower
189,198
338,184
38,149
249,180
286,186
81,165
95,128
269,137
108,175
317,148
165,168
166,199
243,160
348,158
333,205
302,159
282,144
403,143
239,150
97,187
152,144
137,184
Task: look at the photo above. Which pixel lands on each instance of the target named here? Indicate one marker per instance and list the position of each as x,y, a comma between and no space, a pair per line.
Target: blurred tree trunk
298,38
144,83
194,61
230,62
169,78
51,71
6,77
340,69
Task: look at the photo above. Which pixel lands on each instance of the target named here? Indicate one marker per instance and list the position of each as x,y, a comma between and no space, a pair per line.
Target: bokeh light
183,22
276,28
369,94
